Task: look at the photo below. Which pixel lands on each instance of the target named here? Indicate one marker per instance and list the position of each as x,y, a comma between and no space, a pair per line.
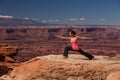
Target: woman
73,39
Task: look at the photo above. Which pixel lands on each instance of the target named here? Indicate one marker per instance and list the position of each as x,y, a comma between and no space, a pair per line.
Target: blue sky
101,12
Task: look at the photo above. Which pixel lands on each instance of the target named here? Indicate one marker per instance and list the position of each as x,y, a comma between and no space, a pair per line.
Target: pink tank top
74,44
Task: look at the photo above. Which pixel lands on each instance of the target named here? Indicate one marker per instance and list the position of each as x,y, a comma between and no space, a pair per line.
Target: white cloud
82,19
34,19
73,19
53,20
26,18
1,16
44,21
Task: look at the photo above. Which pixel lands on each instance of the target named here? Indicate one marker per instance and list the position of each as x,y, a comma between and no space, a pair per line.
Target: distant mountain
18,22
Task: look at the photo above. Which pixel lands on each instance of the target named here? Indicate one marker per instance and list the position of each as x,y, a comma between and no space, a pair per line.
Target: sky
81,12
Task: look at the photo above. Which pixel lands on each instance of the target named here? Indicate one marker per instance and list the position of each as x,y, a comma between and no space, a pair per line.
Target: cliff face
41,41
7,53
26,33
76,67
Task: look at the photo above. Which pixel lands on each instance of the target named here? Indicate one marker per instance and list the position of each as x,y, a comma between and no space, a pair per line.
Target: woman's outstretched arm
62,37
84,38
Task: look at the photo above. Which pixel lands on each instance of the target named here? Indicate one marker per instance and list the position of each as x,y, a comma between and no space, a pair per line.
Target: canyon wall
42,41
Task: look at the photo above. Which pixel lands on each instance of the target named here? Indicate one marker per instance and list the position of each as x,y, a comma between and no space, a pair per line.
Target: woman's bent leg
88,55
66,51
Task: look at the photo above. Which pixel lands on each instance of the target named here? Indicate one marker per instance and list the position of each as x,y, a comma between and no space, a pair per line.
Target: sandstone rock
42,38
5,77
3,69
8,52
104,43
76,67
114,76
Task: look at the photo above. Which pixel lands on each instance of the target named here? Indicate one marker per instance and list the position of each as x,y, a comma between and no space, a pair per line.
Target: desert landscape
38,44
33,39
38,41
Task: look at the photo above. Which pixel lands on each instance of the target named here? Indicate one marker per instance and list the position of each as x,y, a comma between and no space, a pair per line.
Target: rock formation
76,67
114,76
7,52
41,40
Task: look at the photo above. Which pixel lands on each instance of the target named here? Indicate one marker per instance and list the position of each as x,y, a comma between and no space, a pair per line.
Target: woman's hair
73,32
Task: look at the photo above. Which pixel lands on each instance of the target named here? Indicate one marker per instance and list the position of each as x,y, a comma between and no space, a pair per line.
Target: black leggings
88,55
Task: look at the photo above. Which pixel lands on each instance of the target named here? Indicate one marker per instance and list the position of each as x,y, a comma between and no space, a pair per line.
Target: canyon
40,52
37,41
